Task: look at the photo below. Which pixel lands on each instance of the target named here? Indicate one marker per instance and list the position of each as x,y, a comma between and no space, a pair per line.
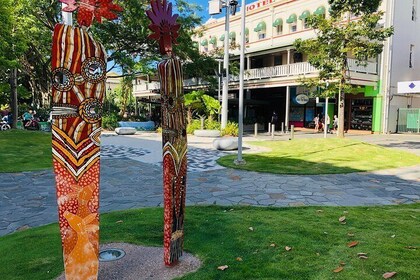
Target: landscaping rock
226,144
206,133
125,130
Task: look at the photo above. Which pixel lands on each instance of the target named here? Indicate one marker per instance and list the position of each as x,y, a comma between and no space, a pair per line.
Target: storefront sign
409,87
259,4
302,99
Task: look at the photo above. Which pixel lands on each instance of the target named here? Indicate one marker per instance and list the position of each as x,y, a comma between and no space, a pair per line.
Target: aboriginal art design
174,135
78,79
87,10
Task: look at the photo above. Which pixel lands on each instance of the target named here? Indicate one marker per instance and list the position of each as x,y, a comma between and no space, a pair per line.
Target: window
261,35
293,27
410,62
261,30
413,10
305,24
279,29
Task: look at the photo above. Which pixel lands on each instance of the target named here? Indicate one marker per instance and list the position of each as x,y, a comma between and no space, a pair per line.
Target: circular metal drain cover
111,254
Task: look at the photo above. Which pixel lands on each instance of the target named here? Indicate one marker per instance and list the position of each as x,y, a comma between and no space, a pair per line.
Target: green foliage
110,121
211,124
193,125
356,7
231,129
201,105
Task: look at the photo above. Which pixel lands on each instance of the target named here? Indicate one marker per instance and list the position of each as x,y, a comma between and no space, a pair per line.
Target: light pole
219,76
215,7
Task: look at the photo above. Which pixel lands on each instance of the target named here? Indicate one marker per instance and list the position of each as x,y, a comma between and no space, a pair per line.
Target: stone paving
27,199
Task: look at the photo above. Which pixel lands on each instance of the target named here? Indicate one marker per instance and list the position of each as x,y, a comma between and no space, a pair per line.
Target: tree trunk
13,96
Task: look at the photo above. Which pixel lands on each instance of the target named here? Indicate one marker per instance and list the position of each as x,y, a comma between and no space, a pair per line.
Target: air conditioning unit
215,7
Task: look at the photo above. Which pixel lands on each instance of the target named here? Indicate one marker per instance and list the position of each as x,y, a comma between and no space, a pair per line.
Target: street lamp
219,75
215,7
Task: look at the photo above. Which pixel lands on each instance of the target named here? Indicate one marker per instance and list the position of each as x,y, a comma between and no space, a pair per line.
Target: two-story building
273,66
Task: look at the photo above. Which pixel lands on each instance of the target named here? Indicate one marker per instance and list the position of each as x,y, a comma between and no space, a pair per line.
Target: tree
337,37
200,104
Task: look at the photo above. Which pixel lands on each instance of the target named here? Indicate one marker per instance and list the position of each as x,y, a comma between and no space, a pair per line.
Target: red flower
163,25
89,9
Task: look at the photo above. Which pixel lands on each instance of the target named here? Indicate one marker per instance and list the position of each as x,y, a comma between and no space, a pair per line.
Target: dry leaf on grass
363,257
342,219
362,254
319,211
251,228
272,245
287,248
239,259
388,275
118,222
342,263
393,236
222,267
352,244
411,247
338,269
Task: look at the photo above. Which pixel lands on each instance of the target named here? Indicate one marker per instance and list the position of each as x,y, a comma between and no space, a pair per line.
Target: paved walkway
131,178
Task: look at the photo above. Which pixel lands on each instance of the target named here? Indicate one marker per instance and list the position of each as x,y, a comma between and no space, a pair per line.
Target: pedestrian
335,123
274,119
328,123
27,116
316,121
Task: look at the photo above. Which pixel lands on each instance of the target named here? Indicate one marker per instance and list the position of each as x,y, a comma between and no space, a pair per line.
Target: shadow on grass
293,166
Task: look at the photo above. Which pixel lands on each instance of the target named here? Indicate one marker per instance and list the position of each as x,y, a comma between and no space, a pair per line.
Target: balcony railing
147,87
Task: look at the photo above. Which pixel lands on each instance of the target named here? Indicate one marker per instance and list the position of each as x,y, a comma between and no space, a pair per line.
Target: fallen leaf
345,212
239,259
352,244
342,263
231,209
388,275
393,236
363,257
361,254
325,232
411,247
223,267
342,219
338,269
272,245
317,254
350,234
251,228
119,222
287,248
319,211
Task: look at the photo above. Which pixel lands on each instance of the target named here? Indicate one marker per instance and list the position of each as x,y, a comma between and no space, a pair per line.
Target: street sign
409,87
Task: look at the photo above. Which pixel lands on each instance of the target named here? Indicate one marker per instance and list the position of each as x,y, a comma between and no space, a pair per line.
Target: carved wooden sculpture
78,78
174,136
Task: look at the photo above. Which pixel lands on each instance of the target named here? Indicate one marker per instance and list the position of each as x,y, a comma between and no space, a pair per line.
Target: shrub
231,129
110,121
195,124
211,124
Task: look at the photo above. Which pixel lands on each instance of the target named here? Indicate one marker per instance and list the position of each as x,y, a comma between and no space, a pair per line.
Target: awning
222,38
320,11
304,15
213,40
260,27
292,18
204,42
232,35
277,22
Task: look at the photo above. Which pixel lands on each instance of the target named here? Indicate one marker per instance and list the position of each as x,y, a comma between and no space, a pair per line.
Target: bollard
272,130
202,123
256,129
282,127
269,128
292,132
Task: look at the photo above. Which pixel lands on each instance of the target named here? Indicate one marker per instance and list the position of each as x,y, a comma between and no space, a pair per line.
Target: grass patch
321,156
219,235
23,150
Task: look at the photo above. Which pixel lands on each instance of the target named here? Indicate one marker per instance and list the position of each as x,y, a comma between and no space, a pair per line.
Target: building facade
273,67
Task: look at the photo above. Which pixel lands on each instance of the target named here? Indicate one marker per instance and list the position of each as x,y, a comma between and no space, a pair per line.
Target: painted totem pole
174,135
78,79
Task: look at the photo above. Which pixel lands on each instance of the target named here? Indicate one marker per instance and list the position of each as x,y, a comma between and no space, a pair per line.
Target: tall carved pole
78,78
174,135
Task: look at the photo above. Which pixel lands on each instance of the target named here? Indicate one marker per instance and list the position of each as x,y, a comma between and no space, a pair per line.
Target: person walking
327,121
335,124
316,121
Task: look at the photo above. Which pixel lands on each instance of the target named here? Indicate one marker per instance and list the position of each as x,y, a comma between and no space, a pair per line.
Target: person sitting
27,116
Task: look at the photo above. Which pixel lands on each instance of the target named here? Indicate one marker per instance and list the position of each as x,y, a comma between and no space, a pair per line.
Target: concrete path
131,177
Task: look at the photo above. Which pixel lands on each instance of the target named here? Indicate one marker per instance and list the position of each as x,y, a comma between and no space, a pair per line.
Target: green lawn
22,150
389,236
321,156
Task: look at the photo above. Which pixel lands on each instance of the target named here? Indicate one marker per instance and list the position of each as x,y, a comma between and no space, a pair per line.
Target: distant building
272,66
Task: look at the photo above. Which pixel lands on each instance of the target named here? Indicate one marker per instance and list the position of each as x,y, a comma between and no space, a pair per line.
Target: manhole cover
108,255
